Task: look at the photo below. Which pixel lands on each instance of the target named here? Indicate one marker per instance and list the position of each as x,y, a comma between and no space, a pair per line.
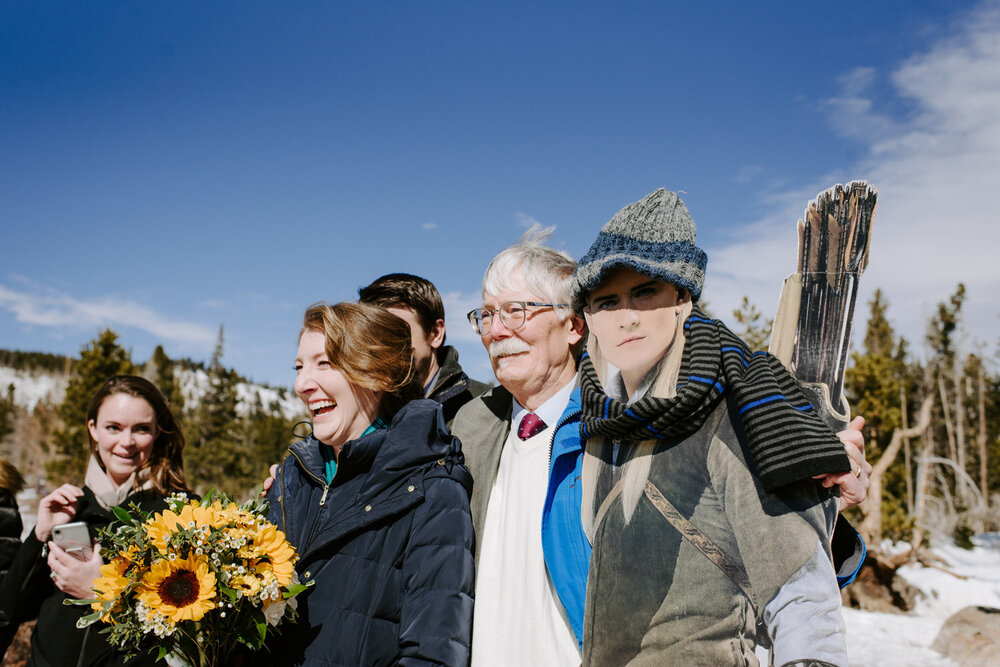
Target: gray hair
532,265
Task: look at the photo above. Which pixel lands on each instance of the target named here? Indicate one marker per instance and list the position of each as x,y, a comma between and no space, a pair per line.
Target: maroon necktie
531,425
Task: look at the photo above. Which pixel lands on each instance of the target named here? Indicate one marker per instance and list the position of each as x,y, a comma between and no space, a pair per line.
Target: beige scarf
109,495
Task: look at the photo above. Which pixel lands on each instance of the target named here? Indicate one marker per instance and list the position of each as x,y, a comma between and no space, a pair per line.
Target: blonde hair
371,347
635,472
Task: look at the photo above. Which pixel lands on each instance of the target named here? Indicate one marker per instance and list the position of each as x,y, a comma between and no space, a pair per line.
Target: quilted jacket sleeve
438,578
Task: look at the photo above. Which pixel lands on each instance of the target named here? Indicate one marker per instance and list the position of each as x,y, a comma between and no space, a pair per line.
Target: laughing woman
376,501
706,524
136,450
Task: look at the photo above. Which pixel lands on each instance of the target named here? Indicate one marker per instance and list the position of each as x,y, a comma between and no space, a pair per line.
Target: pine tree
877,382
165,377
99,360
7,413
755,330
215,457
266,436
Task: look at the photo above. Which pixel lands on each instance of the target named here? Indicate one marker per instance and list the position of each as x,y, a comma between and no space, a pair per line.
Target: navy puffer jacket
389,544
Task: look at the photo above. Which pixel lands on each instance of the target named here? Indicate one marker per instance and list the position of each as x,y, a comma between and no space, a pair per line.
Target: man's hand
273,472
853,485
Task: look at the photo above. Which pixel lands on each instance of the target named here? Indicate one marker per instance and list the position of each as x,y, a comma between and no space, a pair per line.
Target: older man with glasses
520,445
532,337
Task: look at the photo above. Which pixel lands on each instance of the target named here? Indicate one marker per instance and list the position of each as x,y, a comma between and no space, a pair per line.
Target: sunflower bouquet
195,581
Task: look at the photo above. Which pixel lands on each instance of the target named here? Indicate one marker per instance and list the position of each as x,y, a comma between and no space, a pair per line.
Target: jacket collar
451,379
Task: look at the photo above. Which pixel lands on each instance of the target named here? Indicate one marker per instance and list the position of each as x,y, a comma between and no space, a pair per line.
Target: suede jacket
655,598
387,545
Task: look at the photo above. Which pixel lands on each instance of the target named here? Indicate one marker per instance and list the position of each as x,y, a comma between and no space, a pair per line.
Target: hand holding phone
74,538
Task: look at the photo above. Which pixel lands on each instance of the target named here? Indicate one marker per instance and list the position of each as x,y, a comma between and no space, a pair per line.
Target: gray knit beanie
655,237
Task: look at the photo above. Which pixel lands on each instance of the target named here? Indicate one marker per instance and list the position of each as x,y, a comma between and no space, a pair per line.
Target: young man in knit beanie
699,464
530,606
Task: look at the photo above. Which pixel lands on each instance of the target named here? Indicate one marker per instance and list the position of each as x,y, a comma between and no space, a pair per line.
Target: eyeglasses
512,314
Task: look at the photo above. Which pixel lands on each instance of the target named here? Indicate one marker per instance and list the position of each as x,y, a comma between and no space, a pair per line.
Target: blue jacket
565,545
388,544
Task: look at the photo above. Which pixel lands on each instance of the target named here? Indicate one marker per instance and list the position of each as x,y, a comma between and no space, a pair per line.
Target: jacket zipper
562,422
322,500
83,647
322,482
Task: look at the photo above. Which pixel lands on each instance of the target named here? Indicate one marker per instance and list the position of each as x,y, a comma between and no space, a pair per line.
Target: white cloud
936,167
52,309
748,173
852,113
456,305
429,225
526,220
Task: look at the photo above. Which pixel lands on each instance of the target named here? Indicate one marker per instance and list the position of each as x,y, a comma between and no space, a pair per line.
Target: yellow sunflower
231,513
181,589
161,526
109,586
127,557
270,543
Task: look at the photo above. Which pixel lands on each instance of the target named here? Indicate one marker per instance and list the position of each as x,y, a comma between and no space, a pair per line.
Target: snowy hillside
195,384
31,387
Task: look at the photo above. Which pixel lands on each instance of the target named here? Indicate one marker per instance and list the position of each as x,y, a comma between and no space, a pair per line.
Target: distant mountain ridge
38,377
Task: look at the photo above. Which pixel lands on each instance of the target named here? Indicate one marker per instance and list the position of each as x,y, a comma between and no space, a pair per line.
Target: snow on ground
895,640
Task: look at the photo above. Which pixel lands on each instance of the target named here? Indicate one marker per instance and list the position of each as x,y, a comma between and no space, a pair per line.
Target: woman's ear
683,296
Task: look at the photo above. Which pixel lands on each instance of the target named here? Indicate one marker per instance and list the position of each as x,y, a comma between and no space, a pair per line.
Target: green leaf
261,623
122,514
89,619
74,601
295,589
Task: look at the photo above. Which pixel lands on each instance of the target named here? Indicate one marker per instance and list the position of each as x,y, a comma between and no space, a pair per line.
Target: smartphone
74,538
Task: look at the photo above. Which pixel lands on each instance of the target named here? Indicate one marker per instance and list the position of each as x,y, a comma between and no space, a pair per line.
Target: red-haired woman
376,501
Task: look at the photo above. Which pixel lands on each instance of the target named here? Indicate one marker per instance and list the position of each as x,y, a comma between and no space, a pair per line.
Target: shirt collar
550,411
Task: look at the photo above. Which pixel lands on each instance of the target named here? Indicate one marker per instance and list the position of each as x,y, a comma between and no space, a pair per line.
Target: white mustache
507,346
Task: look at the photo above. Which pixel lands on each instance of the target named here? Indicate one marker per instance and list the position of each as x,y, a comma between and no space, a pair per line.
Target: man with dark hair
417,301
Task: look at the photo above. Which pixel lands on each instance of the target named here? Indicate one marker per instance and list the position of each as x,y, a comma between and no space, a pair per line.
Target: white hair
530,264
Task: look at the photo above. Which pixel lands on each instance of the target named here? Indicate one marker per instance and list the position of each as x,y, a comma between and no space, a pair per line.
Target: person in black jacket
376,501
136,446
419,303
11,483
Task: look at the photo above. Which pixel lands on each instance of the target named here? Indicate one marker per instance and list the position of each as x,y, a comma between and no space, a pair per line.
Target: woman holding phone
136,457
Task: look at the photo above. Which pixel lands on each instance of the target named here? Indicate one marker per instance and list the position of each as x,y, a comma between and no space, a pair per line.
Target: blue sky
169,167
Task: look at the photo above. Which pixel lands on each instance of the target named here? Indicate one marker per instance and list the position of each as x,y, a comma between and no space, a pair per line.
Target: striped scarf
788,439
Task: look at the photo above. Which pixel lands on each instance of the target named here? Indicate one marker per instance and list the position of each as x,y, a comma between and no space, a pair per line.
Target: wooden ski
815,317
